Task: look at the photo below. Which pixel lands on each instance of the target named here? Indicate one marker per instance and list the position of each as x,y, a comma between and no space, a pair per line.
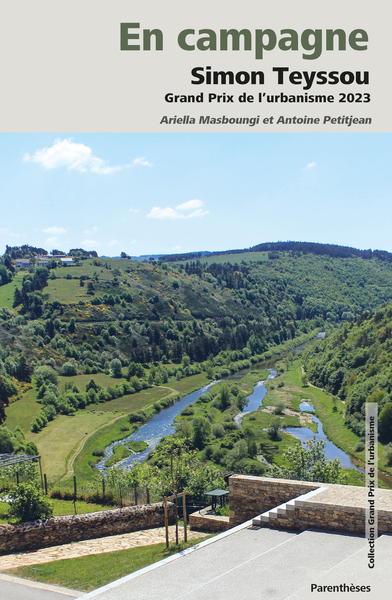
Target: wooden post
46,484
75,493
135,488
148,494
176,520
184,512
166,522
103,487
40,470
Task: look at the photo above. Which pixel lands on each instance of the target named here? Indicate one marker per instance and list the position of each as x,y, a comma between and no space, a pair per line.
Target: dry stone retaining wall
62,530
202,521
349,519
250,496
298,505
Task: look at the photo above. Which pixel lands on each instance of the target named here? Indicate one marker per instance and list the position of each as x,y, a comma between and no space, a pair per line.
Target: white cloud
190,205
73,156
93,230
311,165
141,161
114,243
55,230
89,243
176,213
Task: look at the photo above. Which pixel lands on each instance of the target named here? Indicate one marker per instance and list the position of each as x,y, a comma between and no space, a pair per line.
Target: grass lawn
66,290
7,291
23,411
91,572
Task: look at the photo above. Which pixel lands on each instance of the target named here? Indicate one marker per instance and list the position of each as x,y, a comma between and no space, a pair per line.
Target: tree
28,504
6,441
274,428
4,399
385,422
308,463
24,371
201,432
116,368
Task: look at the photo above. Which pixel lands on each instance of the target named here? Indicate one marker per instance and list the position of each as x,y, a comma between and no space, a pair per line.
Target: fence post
166,522
135,486
103,487
46,484
148,494
75,492
184,515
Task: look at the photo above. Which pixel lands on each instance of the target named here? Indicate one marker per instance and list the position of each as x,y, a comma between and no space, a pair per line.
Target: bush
98,452
139,416
359,447
273,430
28,504
279,407
388,454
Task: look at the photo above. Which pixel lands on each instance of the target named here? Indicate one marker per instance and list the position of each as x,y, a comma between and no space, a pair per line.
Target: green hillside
354,364
126,335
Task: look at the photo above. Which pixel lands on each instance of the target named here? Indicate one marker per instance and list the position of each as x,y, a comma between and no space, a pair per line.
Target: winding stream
162,424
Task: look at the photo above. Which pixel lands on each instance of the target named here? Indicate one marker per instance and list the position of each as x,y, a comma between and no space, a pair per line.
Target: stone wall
350,519
300,505
203,521
250,496
62,530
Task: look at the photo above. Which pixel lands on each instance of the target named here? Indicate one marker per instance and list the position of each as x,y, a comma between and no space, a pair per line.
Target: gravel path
98,546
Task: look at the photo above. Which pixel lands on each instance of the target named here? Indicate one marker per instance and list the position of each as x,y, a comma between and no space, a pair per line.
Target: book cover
173,128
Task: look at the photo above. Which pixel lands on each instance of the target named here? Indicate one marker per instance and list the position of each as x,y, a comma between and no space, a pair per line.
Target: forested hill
81,318
355,364
332,250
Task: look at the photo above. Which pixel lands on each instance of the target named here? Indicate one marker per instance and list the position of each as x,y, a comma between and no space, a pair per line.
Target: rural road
14,588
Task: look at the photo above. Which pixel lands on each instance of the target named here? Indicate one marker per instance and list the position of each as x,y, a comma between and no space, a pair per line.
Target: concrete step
283,508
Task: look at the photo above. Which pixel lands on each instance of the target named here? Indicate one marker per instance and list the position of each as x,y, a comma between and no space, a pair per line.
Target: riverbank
330,411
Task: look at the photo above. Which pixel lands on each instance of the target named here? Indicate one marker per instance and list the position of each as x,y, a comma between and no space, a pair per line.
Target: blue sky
170,193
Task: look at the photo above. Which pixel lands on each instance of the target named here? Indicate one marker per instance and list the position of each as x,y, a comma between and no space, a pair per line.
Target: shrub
273,430
98,452
139,416
388,454
28,504
359,447
279,407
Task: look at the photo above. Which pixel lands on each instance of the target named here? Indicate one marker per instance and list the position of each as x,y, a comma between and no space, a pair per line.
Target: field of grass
65,291
7,291
23,411
66,444
91,572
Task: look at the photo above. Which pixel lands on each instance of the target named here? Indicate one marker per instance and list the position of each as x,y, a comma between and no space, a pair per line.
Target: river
161,424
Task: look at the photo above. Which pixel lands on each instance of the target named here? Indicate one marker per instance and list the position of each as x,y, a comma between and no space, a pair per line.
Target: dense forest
354,364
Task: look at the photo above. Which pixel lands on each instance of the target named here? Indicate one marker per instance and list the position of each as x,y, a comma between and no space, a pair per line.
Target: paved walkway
98,546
